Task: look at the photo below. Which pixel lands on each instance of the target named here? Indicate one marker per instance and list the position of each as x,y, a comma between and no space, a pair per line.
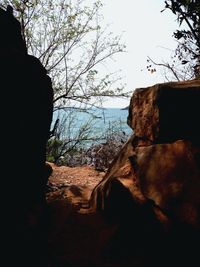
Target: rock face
26,114
166,112
169,174
154,163
156,176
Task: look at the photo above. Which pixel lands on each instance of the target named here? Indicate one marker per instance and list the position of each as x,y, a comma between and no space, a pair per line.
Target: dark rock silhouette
26,115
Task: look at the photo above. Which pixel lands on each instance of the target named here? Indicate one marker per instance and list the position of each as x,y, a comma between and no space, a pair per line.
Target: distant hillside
125,108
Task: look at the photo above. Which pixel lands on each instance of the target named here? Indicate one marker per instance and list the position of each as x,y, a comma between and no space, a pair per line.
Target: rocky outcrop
166,112
169,174
155,179
26,114
151,169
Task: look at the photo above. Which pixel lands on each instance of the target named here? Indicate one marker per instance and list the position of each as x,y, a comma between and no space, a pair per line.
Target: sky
147,32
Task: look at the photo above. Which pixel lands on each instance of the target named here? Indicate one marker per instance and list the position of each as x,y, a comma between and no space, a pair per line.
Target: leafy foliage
186,58
70,42
70,147
66,141
99,154
67,38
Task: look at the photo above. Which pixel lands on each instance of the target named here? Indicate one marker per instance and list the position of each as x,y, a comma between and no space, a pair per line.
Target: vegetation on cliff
185,61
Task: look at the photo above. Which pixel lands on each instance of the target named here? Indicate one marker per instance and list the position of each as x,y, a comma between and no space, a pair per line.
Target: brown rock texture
154,182
169,174
166,112
120,170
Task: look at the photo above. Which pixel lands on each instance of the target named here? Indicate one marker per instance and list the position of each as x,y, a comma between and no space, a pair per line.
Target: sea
97,123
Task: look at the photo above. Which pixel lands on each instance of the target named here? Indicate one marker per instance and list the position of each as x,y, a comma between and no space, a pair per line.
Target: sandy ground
73,184
84,176
77,237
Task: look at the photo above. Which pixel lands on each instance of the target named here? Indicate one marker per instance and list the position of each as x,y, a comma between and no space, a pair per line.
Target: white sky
147,32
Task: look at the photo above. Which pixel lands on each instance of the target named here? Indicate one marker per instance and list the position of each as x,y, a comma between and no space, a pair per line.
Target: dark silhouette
26,115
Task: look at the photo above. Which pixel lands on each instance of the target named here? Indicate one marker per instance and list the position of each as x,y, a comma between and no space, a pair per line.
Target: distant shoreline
125,108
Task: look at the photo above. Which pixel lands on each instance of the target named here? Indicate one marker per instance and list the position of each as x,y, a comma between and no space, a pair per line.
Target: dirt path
76,238
72,183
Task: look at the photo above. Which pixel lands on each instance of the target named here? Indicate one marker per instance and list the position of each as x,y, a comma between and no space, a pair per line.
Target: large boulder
169,174
154,182
154,199
119,190
26,115
119,173
166,112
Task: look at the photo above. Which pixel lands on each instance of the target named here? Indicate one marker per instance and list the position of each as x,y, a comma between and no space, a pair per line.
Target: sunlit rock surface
166,112
154,182
166,173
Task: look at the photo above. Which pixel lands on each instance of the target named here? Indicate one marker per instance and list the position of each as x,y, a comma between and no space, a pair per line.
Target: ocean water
97,122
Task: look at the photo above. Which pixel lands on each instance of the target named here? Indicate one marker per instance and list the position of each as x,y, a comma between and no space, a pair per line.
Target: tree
68,39
186,58
66,141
